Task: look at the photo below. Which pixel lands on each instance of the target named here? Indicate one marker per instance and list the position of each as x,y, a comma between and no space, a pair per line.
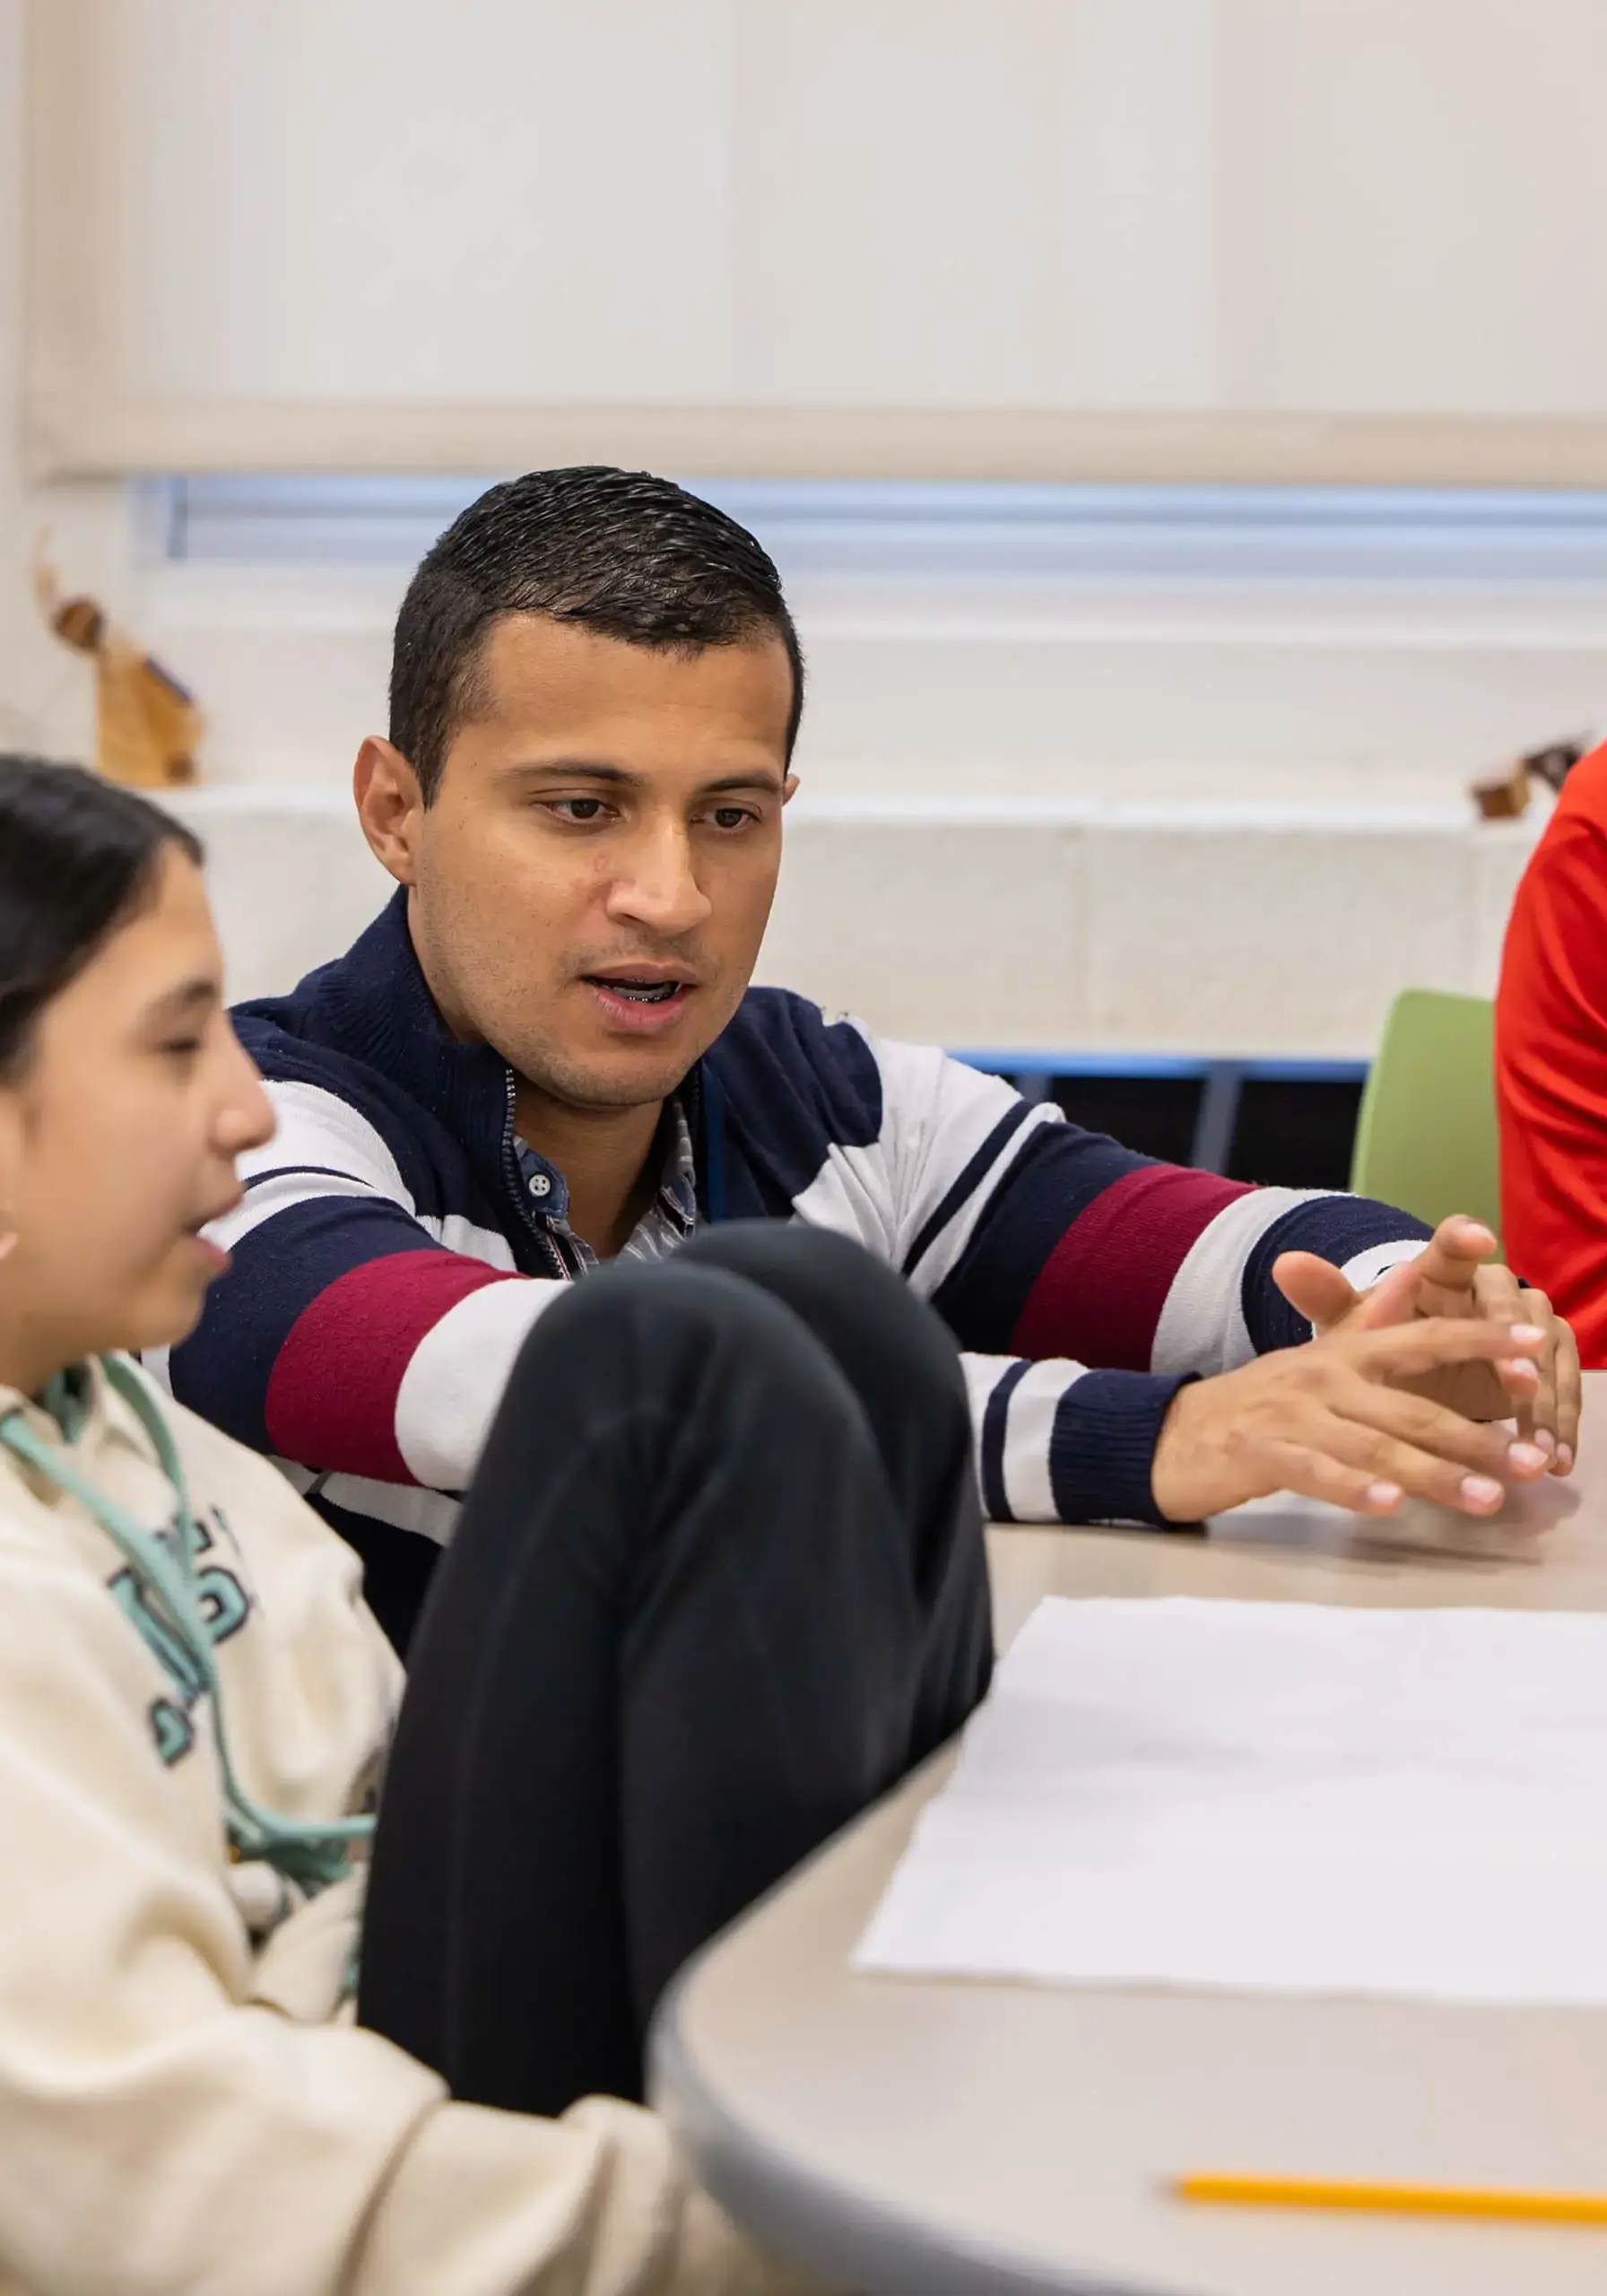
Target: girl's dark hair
78,857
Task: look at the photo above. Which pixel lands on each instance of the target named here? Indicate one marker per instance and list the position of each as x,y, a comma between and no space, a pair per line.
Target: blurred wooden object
1507,797
148,728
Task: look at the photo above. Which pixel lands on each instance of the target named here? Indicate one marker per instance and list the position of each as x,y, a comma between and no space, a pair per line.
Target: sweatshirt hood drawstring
312,1855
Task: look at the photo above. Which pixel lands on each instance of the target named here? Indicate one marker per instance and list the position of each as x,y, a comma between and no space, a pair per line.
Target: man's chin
625,1079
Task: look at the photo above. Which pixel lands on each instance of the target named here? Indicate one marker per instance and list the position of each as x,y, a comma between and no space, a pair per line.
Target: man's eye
182,1048
578,809
731,816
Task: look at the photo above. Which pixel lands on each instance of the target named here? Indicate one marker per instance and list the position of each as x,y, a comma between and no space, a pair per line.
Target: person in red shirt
1552,1063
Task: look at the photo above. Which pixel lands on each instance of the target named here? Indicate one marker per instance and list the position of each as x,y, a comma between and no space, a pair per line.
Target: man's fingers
1411,1350
1498,1299
1471,1446
1397,1298
1329,1419
1350,1467
1564,1374
1536,1396
1318,1475
1451,1258
1439,1282
1314,1288
1383,1459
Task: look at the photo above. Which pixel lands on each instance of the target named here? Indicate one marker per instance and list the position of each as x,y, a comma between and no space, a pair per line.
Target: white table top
915,2137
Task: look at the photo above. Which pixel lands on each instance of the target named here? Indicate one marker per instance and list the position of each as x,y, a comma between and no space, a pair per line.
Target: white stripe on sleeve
982,1374
936,1113
325,1148
1202,1326
318,1129
851,1196
1028,1427
1030,1423
430,1513
457,1233
454,1378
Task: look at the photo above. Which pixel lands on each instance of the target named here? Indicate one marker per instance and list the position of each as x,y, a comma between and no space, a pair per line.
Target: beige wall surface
45,696
1152,239
1047,816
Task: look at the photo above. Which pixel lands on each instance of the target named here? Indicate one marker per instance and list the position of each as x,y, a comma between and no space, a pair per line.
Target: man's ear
390,806
788,787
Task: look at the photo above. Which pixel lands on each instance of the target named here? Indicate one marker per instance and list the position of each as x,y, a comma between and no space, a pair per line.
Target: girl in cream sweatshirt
590,1769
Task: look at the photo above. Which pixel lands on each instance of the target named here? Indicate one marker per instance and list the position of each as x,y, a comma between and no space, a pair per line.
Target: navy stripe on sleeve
1102,1449
1336,1228
995,1424
959,1195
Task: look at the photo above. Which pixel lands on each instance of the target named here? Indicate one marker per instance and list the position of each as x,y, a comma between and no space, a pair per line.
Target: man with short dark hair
545,1054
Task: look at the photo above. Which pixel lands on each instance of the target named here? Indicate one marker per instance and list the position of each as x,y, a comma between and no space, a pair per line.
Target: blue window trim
895,530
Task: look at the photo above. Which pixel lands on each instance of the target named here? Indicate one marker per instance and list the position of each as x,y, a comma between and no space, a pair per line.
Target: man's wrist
1103,1448
1174,1484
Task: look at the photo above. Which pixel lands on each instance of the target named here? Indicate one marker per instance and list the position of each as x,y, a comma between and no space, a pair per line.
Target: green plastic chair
1426,1137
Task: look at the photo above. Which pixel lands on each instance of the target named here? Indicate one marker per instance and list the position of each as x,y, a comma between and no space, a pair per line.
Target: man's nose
658,886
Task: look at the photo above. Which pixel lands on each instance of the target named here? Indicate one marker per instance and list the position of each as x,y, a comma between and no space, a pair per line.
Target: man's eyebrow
190,997
574,768
618,777
763,777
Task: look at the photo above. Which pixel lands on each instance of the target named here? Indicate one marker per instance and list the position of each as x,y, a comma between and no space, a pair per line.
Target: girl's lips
629,1017
213,1256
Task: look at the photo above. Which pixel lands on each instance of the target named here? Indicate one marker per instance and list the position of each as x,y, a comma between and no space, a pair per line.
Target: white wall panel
1056,238
1414,197
903,231
388,200
1135,172
1200,698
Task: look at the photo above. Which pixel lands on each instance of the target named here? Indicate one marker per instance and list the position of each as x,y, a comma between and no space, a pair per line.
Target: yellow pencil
1397,2200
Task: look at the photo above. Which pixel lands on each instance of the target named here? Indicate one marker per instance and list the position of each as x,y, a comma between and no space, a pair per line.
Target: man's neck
605,1156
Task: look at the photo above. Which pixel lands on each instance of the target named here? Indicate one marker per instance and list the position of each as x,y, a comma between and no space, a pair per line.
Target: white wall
1112,693
44,694
950,237
1100,818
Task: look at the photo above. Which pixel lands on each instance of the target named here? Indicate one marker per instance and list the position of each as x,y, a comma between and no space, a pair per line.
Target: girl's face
118,1142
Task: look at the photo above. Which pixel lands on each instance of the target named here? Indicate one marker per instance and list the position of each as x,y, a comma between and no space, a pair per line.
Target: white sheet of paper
1274,1796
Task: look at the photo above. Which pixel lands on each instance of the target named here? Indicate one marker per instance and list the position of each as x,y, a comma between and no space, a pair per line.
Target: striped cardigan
390,1257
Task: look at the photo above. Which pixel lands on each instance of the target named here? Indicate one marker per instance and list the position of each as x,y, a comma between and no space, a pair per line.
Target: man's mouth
644,1002
638,992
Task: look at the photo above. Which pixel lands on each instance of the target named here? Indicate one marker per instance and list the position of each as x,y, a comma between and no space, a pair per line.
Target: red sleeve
1552,1063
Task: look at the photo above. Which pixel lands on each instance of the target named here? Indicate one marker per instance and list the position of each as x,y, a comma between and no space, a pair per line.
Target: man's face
592,884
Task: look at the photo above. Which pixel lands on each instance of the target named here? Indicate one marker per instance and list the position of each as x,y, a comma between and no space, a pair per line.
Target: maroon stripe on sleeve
332,1398
1103,1287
